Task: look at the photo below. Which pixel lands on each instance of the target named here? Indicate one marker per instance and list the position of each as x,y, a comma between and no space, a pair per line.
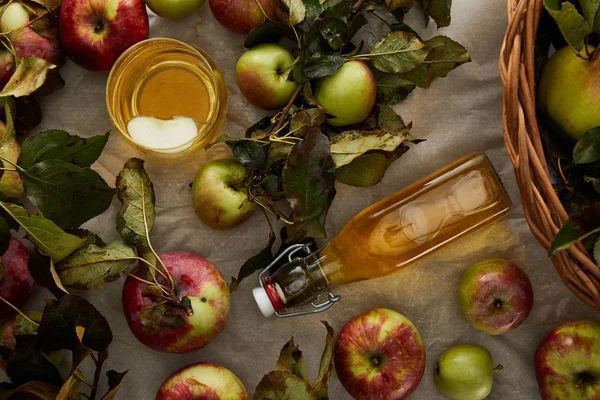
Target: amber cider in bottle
453,202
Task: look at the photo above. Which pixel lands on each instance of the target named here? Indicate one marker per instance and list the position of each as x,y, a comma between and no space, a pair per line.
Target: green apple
174,9
464,372
349,94
263,75
569,92
219,194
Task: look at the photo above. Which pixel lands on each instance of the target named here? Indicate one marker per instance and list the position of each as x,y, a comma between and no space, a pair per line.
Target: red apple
241,16
94,33
202,381
379,355
18,285
495,296
567,362
196,279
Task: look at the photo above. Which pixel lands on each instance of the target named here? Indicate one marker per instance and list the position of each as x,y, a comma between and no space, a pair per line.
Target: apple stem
102,356
498,367
287,108
21,313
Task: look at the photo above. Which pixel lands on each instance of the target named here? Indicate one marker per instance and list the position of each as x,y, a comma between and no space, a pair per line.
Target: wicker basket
523,137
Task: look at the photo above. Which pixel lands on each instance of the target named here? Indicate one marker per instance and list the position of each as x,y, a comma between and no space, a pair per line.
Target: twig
287,108
102,355
358,5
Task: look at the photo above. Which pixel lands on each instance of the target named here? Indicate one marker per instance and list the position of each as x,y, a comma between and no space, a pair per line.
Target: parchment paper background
457,115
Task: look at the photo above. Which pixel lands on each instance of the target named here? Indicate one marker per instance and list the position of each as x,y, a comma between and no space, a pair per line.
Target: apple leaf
136,193
33,390
11,184
28,114
292,12
65,193
40,268
587,149
404,5
573,25
266,32
309,177
368,169
43,233
392,88
398,52
319,65
438,10
249,153
279,385
58,327
59,145
26,363
349,145
335,31
71,384
303,121
25,326
444,55
114,381
29,75
255,263
92,266
291,360
569,234
322,383
591,12
157,316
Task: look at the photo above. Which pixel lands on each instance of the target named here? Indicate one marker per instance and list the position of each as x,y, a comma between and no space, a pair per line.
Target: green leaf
334,30
92,267
301,230
4,238
28,77
60,319
255,263
291,360
398,52
314,9
26,363
322,383
309,176
569,234
388,120
32,390
136,193
114,381
59,145
438,10
43,233
357,22
572,24
368,169
349,145
267,32
392,88
40,266
303,121
404,5
590,9
444,55
594,181
24,326
279,385
65,193
250,154
319,65
587,149
292,12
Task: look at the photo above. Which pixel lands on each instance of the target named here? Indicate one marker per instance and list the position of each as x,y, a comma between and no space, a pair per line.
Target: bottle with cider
453,202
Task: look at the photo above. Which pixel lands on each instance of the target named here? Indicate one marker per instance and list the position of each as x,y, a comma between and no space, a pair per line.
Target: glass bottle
454,201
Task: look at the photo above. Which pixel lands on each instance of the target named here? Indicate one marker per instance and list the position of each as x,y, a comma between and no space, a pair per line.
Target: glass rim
214,107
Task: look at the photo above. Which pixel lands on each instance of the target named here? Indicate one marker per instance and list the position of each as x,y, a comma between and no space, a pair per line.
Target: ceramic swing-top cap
263,301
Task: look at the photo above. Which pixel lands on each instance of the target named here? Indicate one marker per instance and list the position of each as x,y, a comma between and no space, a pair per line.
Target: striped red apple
379,355
199,281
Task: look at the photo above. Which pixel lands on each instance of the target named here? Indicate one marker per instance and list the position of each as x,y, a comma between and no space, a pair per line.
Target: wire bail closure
292,254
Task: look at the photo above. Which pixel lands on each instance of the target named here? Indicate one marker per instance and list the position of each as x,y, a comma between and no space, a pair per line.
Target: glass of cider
167,78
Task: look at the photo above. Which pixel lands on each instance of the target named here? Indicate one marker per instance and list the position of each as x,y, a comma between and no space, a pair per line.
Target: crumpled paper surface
457,115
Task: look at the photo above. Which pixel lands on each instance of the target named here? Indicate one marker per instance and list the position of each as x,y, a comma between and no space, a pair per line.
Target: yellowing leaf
28,77
291,12
398,52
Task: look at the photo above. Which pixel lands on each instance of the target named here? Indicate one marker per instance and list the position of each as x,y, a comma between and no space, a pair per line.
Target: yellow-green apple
495,296
94,33
219,194
174,9
17,285
569,92
379,355
202,381
348,95
195,279
263,75
567,362
26,42
11,184
241,16
465,372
